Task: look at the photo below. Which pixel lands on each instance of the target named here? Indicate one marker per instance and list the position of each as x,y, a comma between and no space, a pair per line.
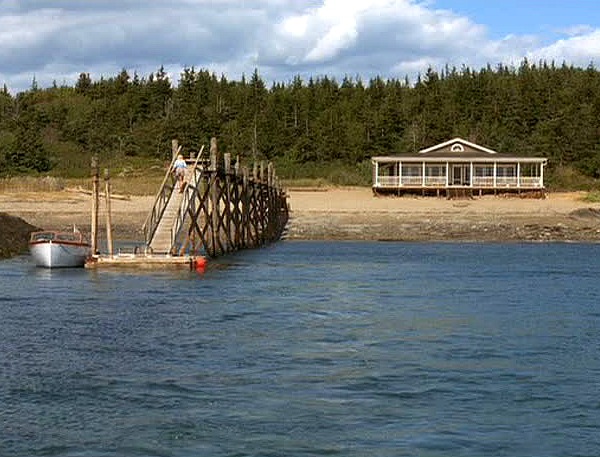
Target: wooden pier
222,208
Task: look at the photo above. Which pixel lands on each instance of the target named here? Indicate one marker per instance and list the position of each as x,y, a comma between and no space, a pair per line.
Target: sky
54,41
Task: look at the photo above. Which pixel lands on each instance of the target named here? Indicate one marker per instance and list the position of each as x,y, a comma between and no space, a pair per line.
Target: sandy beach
354,214
358,214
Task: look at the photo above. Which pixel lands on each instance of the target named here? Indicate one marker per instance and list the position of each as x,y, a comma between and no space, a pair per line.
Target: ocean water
308,349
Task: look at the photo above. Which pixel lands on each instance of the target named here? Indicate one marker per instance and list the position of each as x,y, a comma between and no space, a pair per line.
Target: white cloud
56,40
581,50
576,30
338,37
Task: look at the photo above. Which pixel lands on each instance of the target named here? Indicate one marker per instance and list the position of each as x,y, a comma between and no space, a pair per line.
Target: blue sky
544,18
56,40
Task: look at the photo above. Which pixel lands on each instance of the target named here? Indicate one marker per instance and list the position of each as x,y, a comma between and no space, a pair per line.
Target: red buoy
200,264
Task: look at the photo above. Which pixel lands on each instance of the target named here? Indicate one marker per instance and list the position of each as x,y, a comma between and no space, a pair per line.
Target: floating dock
146,261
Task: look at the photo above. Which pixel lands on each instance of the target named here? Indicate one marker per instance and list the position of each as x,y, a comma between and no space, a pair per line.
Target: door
461,175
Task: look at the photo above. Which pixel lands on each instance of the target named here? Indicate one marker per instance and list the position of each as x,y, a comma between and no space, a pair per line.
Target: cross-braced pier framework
223,208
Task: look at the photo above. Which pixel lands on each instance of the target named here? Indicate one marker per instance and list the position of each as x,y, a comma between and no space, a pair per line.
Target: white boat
55,249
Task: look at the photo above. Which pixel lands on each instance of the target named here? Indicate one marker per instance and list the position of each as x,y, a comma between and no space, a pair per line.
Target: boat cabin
458,167
56,236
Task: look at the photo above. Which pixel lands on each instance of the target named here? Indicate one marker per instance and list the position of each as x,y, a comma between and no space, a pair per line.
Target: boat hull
56,254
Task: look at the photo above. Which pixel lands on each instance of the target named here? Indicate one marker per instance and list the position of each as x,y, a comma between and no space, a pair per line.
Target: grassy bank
146,181
126,185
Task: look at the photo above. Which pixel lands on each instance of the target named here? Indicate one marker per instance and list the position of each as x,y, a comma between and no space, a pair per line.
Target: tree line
535,109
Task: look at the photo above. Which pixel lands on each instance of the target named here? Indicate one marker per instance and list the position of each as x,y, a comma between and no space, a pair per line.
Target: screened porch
488,175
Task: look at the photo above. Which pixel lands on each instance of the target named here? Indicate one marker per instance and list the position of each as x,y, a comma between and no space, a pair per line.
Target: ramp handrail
160,203
185,203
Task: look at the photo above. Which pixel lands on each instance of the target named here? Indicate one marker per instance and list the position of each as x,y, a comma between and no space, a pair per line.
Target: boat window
67,237
44,236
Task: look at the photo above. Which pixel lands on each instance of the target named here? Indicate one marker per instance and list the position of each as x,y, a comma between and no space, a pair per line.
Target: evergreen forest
320,127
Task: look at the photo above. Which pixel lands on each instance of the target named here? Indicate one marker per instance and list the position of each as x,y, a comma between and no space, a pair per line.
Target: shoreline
353,214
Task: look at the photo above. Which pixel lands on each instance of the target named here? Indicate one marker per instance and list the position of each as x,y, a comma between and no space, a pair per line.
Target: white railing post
495,174
376,174
447,173
400,174
471,174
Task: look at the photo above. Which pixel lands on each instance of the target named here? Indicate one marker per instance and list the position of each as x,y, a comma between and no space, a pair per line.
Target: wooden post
270,174
95,198
237,218
245,229
214,151
263,174
175,148
109,240
255,207
271,213
263,196
214,197
229,246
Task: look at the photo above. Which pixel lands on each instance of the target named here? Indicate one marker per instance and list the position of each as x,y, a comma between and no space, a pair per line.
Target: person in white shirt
179,168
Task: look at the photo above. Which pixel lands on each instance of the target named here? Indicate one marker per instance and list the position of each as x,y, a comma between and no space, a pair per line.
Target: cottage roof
457,147
457,150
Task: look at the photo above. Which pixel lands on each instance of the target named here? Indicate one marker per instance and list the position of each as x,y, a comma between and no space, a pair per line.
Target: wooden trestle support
222,209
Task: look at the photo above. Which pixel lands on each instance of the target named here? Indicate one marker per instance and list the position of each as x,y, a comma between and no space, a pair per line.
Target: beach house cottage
458,167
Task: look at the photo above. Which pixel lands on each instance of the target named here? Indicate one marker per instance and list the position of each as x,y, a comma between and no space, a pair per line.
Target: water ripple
347,349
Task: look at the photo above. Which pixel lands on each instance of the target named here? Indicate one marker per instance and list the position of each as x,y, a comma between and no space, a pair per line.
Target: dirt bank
14,235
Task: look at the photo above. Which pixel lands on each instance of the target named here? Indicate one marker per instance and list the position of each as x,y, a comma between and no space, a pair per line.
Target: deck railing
527,182
411,181
483,181
531,181
435,181
388,181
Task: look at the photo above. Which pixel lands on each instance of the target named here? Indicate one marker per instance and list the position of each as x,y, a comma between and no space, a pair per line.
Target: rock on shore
14,235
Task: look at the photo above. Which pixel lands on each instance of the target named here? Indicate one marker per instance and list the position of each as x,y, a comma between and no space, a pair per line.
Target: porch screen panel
435,174
388,176
412,174
483,175
506,175
531,175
